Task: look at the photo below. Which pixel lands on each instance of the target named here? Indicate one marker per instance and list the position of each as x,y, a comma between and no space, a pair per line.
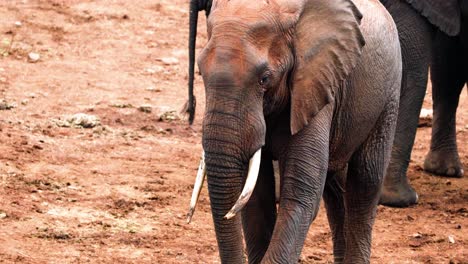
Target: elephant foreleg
448,75
304,167
259,215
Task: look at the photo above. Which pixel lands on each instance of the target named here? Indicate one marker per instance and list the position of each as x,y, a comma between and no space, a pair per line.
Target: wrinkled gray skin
424,27
294,78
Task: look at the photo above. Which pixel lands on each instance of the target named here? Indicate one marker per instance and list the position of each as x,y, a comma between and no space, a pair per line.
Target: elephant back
444,14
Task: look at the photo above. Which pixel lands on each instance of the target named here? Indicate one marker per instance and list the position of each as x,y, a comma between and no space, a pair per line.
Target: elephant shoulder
444,14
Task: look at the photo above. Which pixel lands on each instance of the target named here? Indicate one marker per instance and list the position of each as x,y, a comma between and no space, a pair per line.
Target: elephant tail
189,107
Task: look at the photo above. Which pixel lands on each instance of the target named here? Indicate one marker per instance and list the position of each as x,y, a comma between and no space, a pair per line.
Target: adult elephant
431,32
305,82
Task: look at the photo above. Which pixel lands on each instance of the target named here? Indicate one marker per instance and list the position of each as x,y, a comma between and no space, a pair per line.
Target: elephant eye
264,79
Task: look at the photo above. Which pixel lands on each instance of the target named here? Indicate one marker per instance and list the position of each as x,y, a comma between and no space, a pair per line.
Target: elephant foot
443,164
398,195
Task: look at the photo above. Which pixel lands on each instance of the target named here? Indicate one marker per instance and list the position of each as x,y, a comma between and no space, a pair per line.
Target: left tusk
201,174
252,175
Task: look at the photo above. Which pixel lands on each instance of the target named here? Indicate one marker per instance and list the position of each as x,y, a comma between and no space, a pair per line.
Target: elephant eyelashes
264,81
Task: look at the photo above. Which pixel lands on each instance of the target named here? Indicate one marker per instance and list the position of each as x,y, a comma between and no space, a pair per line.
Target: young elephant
310,84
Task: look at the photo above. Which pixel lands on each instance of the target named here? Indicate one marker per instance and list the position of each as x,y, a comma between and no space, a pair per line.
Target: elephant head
263,58
195,7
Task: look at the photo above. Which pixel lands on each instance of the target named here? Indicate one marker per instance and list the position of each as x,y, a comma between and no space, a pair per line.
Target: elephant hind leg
365,176
448,75
415,34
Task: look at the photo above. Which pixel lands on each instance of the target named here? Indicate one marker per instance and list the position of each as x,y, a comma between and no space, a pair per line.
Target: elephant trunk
225,177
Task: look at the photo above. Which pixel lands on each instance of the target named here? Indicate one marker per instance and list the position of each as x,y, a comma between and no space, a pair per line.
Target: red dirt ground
118,193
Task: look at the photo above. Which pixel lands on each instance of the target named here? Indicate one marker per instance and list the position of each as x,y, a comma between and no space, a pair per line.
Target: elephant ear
328,43
444,14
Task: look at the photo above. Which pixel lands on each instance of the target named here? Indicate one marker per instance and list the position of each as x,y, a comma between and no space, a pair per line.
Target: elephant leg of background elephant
259,215
415,35
366,171
305,166
333,197
448,78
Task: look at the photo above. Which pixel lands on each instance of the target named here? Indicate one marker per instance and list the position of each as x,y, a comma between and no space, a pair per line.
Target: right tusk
201,174
252,175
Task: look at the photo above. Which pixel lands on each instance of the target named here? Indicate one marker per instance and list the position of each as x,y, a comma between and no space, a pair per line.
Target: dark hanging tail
190,105
195,7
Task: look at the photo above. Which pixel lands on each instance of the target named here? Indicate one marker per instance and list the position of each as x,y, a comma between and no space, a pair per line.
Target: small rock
164,131
169,61
153,89
18,23
84,120
33,57
169,116
3,215
4,105
425,118
79,120
451,239
122,105
24,102
145,108
417,235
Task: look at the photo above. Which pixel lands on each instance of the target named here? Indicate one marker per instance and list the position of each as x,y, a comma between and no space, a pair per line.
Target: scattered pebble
417,235
451,239
169,61
169,116
145,108
122,105
79,120
153,89
4,105
425,118
3,215
18,23
33,57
